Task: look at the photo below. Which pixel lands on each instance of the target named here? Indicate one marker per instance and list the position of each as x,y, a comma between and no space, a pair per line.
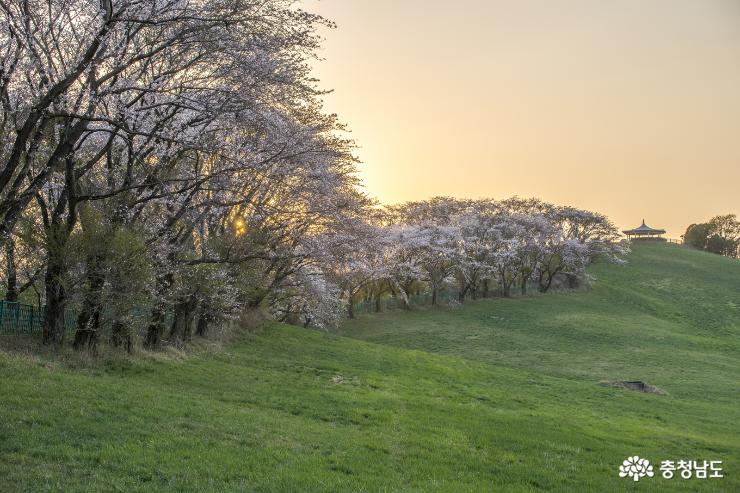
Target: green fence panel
19,318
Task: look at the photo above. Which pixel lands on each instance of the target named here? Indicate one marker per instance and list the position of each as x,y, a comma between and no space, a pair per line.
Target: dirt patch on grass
636,385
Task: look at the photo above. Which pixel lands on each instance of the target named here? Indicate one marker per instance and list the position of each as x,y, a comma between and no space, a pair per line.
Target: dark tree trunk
545,282
434,295
378,304
204,321
524,285
86,336
56,299
573,281
178,321
506,286
408,288
350,309
187,332
257,300
486,288
405,301
463,292
156,329
120,336
88,322
183,320
57,236
12,292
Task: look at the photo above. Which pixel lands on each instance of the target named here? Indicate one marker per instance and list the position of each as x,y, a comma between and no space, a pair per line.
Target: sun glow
240,227
617,107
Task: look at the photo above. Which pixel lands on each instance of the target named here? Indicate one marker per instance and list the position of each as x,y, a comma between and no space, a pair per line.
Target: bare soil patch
636,385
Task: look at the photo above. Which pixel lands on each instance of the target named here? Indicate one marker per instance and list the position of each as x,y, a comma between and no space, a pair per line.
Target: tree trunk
183,319
88,322
545,282
434,295
350,309
86,336
506,285
404,291
187,332
12,292
201,329
57,239
486,288
120,336
156,329
461,295
524,285
378,304
178,321
405,304
56,298
257,300
572,281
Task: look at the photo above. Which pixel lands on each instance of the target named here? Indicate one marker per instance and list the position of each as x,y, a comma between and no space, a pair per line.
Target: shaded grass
499,395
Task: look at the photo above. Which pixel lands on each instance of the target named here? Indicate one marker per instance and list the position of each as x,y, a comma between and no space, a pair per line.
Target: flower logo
635,468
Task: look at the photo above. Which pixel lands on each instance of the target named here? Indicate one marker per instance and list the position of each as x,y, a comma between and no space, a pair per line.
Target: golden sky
630,107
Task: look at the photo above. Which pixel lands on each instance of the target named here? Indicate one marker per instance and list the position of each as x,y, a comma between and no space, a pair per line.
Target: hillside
496,395
671,316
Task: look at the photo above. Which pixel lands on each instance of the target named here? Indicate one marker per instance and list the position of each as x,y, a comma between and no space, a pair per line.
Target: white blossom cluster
472,247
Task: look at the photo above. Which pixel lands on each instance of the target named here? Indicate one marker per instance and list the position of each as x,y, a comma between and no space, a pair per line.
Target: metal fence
19,318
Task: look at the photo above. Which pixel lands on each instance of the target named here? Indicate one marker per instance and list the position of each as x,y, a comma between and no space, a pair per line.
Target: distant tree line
721,235
471,247
166,165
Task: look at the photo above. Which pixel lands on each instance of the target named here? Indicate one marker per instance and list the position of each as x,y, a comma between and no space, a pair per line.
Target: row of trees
163,156
721,235
471,247
167,165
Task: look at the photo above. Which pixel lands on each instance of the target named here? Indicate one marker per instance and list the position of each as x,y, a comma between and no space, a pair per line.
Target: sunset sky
630,108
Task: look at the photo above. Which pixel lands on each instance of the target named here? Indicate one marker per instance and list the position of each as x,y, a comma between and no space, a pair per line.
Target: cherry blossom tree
167,165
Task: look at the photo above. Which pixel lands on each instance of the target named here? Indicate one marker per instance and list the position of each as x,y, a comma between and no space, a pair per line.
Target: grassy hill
496,395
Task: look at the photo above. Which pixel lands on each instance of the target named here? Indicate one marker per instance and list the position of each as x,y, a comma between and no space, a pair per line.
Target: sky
630,108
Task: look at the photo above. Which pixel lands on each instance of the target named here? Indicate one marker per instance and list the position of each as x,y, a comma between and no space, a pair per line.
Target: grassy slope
496,395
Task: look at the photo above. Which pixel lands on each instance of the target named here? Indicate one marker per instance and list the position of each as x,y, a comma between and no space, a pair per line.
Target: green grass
498,395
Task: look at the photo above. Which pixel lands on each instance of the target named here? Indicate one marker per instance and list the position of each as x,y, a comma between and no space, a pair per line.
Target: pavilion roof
644,229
